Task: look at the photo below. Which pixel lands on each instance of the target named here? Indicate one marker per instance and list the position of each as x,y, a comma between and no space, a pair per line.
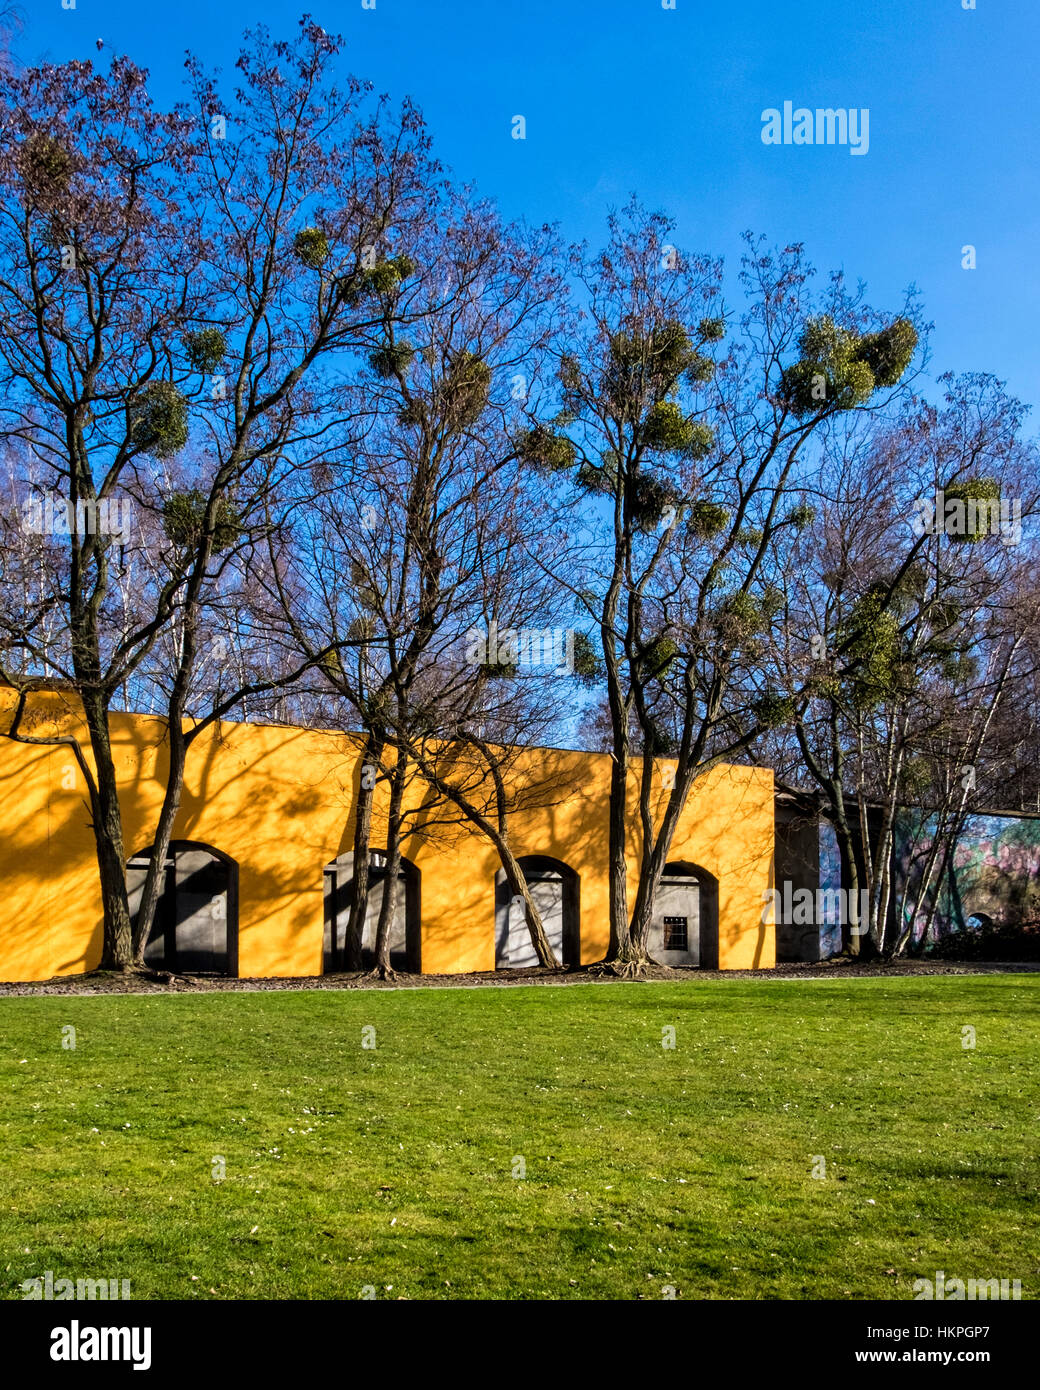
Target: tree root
382,972
621,969
163,977
147,972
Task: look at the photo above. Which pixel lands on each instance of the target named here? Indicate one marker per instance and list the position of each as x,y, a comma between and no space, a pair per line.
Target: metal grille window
675,937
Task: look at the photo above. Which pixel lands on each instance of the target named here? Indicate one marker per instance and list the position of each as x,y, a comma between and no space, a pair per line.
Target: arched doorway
195,929
405,930
554,888
685,928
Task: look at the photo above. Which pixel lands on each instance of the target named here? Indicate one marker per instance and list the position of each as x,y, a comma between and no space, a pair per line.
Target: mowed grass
646,1168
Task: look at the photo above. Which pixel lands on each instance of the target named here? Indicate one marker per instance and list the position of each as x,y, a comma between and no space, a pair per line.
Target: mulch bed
106,982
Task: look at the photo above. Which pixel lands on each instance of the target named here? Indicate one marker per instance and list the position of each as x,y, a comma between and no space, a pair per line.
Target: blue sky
623,95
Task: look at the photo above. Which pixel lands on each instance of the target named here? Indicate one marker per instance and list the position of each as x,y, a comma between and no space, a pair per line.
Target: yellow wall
279,802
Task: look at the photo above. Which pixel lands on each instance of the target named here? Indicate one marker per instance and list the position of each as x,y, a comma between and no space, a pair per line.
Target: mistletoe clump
205,349
642,365
945,613
499,670
159,420
802,516
46,166
588,668
706,519
544,448
184,521
958,666
598,477
570,378
392,360
365,592
460,396
971,522
667,430
890,352
659,742
771,601
464,391
656,656
312,247
840,369
739,617
870,642
648,497
829,374
773,710
386,276
917,777
749,535
700,371
700,442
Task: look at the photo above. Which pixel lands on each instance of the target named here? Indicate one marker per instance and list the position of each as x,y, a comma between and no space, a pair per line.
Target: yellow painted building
271,809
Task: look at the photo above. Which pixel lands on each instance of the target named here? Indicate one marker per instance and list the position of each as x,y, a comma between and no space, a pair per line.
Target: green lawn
646,1167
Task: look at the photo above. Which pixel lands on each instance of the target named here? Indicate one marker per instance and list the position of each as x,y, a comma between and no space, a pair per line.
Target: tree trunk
620,949
388,907
154,877
117,950
657,845
853,930
382,967
646,891
518,887
498,837
375,743
643,919
643,910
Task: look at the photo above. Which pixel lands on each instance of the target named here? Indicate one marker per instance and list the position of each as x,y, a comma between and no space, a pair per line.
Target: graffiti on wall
994,876
830,879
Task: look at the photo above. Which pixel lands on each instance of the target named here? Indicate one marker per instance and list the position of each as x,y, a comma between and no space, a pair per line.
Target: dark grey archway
555,889
405,931
685,928
195,930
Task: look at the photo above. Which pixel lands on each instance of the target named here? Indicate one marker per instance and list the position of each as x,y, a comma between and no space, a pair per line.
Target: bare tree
196,276
416,549
694,458
901,639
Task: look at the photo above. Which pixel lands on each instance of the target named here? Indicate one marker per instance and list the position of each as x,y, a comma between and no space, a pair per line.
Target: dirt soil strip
111,982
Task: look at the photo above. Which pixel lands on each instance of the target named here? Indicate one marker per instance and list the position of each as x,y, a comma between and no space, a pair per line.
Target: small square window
675,936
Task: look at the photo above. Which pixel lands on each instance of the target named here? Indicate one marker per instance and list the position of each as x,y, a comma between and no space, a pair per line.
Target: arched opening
554,887
685,928
195,928
405,930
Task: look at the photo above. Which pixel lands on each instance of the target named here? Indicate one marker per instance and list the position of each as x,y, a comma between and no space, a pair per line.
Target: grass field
646,1167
